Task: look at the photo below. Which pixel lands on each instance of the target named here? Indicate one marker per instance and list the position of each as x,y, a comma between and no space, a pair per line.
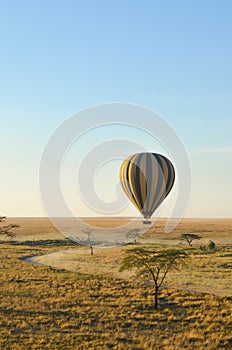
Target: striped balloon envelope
147,179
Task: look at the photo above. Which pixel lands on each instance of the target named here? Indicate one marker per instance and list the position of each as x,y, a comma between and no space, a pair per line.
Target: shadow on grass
44,243
145,309
37,313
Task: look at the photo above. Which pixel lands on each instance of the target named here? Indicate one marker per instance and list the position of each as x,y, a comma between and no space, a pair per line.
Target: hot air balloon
147,179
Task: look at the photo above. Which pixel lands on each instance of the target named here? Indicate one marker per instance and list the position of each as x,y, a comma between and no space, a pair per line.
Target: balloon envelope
147,179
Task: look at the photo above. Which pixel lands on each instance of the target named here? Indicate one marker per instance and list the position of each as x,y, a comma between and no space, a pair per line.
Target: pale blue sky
173,57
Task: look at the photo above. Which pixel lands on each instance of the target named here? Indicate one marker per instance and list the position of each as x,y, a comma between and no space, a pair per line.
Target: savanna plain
69,299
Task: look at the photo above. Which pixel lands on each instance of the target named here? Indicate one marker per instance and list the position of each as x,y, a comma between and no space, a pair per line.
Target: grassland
44,308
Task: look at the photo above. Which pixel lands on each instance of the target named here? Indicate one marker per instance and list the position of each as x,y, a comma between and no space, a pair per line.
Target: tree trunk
91,250
156,297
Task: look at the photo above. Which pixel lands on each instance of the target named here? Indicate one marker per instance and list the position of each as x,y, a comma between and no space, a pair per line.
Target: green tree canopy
189,237
153,265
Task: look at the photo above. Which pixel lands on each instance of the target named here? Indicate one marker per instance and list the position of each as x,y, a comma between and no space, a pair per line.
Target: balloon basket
147,222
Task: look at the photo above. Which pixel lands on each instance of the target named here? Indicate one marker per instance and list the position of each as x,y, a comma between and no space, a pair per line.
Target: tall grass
41,308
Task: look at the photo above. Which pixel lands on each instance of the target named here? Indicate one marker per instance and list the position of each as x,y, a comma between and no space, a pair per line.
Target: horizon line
118,217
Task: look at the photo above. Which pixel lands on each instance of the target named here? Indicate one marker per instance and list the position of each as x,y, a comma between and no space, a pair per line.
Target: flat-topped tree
6,230
189,237
153,265
133,234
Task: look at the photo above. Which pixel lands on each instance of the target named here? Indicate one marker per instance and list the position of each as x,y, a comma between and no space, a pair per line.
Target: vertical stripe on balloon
147,179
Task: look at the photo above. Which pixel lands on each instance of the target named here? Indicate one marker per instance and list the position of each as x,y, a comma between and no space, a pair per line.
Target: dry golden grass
208,272
42,308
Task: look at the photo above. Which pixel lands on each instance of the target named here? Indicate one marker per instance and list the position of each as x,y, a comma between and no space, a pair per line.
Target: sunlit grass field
44,308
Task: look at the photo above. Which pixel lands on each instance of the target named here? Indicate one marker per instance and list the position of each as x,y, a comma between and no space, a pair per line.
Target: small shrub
212,246
203,248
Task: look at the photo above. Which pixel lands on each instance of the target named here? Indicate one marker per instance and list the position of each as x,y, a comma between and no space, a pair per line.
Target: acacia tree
133,234
7,229
189,237
88,241
152,265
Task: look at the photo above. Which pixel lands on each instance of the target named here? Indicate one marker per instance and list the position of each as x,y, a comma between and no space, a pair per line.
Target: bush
203,248
212,245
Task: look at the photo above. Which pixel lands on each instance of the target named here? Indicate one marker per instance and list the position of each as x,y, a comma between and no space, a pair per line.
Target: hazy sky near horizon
58,57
